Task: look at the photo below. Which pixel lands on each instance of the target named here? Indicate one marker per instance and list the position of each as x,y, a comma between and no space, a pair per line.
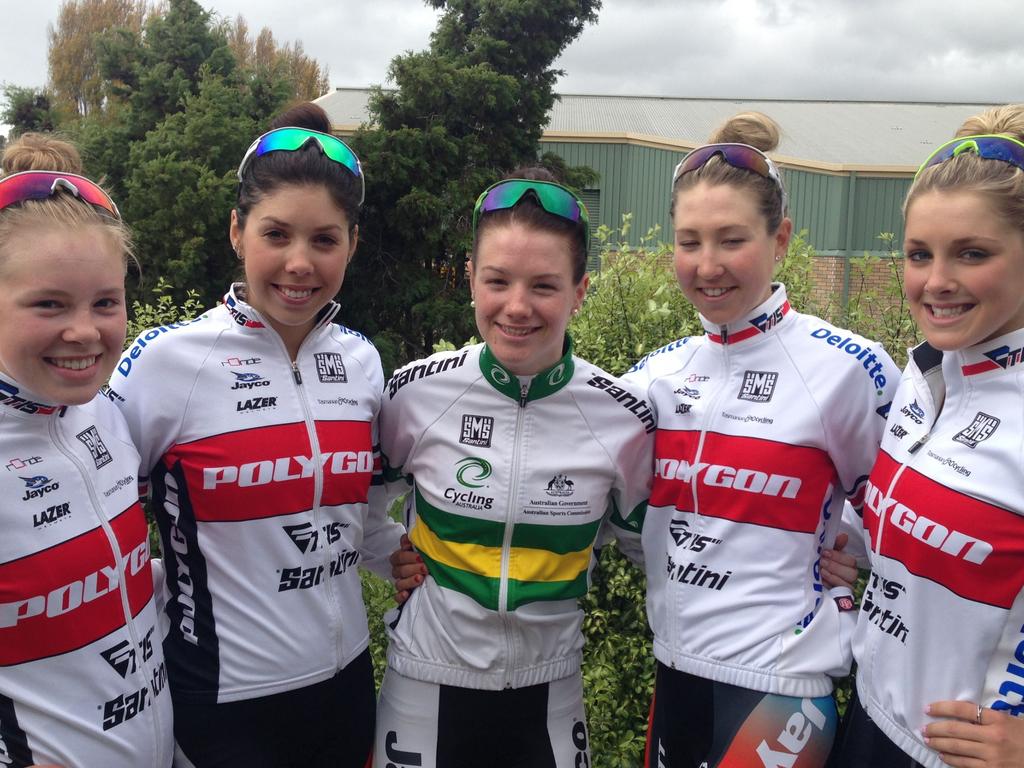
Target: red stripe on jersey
268,471
735,337
976,368
68,596
972,548
745,479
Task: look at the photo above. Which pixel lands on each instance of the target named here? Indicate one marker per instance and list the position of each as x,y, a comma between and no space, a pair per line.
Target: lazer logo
721,476
683,408
765,322
90,438
683,537
51,514
286,468
898,432
758,386
476,430
248,380
255,404
70,596
925,530
17,464
981,429
330,368
398,758
794,736
309,539
123,658
38,486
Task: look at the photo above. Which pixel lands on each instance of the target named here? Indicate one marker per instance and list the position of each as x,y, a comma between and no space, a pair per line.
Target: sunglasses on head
553,198
742,156
988,146
293,139
40,185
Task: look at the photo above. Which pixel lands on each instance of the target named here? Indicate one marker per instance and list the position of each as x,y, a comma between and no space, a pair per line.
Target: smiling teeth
77,364
714,292
292,293
516,331
949,311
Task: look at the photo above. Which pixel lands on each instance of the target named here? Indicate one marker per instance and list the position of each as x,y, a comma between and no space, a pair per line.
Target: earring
472,302
575,311
778,259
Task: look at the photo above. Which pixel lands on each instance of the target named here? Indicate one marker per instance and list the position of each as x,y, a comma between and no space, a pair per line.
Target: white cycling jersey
512,479
942,617
82,674
261,468
765,427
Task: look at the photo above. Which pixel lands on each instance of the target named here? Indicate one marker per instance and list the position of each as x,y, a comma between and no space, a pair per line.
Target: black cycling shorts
698,723
325,725
861,743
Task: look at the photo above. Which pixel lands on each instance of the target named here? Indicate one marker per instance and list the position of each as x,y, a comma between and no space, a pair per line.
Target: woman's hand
969,737
837,568
407,569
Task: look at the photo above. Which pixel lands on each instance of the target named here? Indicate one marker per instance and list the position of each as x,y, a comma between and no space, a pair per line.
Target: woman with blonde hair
939,642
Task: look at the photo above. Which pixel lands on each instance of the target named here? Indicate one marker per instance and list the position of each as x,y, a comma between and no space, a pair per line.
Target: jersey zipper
144,670
506,544
318,490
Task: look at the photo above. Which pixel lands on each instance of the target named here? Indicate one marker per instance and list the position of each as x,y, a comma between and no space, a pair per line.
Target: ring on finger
977,718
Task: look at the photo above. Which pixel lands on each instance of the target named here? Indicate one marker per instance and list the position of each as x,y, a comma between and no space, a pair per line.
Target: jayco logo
248,380
38,486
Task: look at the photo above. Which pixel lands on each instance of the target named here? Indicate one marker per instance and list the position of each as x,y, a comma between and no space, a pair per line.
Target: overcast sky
888,50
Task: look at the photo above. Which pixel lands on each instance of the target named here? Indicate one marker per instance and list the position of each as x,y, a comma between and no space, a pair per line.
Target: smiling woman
82,680
521,459
257,425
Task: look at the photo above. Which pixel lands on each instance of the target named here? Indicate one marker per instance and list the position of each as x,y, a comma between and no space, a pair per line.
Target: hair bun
753,128
41,152
306,115
1008,119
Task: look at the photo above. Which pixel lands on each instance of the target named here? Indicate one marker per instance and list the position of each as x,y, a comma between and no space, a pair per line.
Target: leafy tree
465,111
29,109
264,57
76,78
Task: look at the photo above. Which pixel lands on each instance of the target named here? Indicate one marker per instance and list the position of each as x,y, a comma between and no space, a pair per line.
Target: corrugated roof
860,133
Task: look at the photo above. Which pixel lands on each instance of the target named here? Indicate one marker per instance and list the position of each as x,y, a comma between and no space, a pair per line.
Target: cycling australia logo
758,386
981,429
330,368
560,485
248,380
476,430
470,473
90,438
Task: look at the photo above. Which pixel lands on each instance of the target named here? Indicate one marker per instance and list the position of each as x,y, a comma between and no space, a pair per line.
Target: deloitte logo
472,472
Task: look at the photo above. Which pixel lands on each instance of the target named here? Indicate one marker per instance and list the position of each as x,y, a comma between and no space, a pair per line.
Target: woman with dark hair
517,458
257,426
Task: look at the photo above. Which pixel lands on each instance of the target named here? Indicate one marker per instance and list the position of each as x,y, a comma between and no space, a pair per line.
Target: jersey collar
761,320
545,383
21,401
994,357
247,317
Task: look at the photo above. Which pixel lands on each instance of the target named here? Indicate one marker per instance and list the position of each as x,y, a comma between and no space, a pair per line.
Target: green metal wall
843,214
